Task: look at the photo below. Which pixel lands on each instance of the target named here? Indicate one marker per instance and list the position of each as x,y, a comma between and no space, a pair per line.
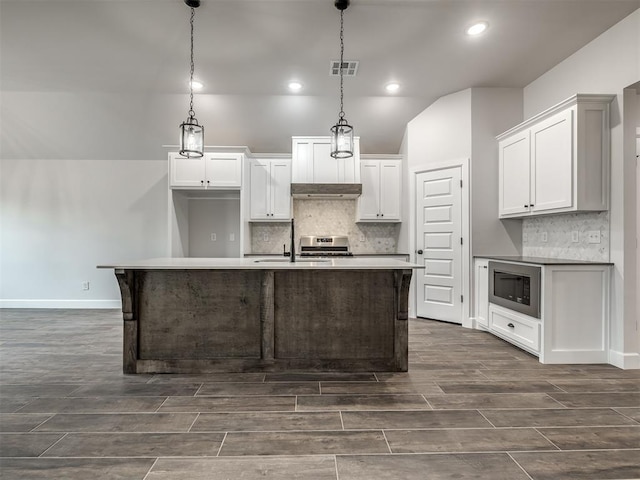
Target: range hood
337,191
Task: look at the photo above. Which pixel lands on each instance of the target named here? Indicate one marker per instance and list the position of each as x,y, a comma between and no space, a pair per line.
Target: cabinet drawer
515,328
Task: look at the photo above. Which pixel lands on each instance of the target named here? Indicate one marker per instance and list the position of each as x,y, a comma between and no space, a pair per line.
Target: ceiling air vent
349,68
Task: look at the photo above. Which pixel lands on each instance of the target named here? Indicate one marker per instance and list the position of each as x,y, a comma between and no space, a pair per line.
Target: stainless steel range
325,246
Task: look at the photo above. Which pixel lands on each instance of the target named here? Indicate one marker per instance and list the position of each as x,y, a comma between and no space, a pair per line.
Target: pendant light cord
341,63
191,112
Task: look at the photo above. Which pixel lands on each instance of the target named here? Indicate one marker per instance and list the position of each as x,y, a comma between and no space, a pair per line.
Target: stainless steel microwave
515,286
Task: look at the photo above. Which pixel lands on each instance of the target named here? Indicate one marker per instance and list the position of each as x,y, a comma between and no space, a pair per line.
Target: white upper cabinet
381,182
215,170
270,189
557,161
312,162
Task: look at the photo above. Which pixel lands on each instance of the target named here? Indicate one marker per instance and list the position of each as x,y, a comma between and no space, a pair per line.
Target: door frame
464,164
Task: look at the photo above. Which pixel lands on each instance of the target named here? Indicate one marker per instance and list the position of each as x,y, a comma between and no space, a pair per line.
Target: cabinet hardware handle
526,206
419,252
382,214
532,205
511,325
201,182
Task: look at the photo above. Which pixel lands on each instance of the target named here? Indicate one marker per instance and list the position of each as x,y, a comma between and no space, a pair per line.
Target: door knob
419,252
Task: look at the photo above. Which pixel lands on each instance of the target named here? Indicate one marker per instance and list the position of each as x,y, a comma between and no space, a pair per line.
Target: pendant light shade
342,139
191,138
191,132
341,132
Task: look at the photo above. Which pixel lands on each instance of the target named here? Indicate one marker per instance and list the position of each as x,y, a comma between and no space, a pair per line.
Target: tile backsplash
560,229
326,217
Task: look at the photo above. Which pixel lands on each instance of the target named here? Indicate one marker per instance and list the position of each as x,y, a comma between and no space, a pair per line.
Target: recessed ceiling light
295,86
197,85
477,28
392,87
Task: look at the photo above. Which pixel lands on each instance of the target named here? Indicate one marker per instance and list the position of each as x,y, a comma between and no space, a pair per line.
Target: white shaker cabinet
270,189
214,170
312,162
381,182
557,161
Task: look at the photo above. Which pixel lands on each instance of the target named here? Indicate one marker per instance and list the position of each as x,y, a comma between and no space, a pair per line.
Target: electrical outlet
265,237
213,237
575,237
85,285
543,237
362,237
593,236
232,237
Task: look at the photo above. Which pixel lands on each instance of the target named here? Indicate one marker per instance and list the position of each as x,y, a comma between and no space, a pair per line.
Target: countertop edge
543,260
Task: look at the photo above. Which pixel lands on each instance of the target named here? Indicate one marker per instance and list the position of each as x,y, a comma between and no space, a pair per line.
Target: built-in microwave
515,286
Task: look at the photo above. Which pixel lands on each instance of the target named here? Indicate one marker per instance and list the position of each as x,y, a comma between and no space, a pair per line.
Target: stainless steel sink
286,260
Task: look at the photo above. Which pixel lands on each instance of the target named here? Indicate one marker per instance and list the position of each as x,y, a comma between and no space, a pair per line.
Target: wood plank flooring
471,406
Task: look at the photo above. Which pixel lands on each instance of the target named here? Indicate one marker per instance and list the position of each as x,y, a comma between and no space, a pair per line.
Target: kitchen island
201,315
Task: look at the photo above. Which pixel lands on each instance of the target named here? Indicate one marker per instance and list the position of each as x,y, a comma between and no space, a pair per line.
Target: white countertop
266,263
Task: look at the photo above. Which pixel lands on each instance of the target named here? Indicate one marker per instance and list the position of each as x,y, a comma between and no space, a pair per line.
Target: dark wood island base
248,320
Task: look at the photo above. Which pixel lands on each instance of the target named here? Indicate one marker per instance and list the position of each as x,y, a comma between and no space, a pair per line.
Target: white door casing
439,236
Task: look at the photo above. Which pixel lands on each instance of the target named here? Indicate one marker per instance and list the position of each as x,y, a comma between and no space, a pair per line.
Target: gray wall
464,125
493,111
61,218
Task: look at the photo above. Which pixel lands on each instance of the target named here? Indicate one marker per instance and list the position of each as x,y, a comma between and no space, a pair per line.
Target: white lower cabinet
574,314
515,327
481,292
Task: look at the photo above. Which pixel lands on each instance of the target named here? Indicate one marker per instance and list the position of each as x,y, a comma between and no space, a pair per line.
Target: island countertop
266,263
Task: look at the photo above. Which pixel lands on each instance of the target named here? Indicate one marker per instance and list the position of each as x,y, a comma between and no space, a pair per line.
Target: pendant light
191,132
341,132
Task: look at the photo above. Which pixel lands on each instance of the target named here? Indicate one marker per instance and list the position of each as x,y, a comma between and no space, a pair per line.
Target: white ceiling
247,50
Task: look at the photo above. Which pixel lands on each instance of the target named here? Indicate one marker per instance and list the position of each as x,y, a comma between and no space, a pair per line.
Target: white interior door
439,244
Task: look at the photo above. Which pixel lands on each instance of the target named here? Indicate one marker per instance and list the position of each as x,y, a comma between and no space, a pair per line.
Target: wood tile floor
471,406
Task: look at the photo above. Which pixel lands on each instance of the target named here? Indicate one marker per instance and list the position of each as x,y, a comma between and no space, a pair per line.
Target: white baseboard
626,361
39,303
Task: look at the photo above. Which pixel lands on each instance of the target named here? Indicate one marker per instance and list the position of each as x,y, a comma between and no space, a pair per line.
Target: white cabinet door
313,163
482,292
280,186
368,202
557,161
552,163
380,199
186,172
224,170
325,168
270,189
514,182
259,190
390,182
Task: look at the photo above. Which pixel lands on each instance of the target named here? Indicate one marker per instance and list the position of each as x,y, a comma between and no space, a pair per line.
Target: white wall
61,218
608,64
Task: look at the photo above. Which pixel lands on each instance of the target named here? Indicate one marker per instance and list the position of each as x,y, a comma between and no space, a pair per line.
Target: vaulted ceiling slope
248,50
